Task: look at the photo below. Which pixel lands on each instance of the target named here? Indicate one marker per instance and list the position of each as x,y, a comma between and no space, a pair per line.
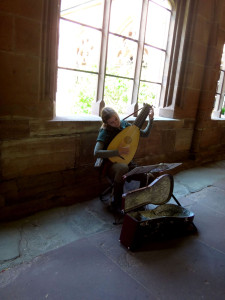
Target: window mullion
219,100
99,104
140,50
222,96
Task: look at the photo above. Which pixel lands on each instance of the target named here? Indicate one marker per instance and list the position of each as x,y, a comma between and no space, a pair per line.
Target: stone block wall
20,56
208,137
47,162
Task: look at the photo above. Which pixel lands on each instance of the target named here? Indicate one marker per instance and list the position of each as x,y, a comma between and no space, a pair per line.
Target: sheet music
152,168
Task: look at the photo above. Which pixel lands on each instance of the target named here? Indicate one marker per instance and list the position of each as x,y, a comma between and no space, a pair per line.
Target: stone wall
53,163
208,139
47,162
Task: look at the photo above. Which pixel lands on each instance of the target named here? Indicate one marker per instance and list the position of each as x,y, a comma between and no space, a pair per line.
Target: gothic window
111,53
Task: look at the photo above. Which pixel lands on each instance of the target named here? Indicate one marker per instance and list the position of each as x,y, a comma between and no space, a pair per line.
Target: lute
129,137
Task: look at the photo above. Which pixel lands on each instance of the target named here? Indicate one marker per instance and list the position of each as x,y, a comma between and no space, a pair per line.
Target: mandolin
129,137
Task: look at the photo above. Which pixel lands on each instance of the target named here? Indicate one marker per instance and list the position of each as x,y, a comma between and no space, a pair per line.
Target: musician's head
110,117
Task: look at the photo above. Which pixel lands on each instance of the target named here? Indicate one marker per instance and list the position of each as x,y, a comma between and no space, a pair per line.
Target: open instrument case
148,213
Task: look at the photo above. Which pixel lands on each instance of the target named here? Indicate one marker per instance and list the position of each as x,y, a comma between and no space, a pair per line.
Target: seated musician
111,126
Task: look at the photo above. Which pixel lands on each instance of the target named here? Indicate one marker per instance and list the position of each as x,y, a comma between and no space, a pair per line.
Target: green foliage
81,92
116,93
84,103
84,91
146,95
223,110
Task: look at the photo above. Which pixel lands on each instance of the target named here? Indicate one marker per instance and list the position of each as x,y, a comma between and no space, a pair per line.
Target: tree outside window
112,51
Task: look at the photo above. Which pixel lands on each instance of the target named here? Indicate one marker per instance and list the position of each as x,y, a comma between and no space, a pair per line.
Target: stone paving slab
199,178
183,268
220,184
32,236
76,271
10,238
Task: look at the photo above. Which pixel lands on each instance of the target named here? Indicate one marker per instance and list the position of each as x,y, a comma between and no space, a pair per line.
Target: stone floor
74,252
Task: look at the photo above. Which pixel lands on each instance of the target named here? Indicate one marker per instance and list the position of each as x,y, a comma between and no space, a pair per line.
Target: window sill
222,118
88,118
76,118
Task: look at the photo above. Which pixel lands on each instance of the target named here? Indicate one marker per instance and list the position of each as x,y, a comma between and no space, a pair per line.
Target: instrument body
129,137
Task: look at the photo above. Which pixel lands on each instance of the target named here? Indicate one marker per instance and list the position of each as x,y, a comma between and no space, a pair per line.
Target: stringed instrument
129,137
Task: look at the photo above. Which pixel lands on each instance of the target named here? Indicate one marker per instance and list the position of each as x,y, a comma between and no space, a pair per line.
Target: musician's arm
146,132
100,152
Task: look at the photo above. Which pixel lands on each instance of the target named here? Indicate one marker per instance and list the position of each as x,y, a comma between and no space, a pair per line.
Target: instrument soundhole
127,139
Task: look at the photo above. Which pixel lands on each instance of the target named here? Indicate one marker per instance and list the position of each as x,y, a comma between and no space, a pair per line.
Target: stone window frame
220,91
183,13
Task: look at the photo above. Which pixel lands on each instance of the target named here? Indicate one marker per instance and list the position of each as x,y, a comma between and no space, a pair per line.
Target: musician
111,126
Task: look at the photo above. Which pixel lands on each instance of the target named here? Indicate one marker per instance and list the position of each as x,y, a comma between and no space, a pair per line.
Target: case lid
158,192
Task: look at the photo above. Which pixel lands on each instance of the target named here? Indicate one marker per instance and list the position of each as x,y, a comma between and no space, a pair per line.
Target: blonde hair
106,114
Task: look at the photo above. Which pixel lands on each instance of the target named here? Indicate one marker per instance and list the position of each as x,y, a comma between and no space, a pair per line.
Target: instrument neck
142,116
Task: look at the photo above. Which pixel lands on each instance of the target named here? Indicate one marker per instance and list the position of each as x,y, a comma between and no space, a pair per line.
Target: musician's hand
123,150
151,113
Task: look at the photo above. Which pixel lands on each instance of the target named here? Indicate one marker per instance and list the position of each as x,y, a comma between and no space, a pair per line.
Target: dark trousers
116,172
